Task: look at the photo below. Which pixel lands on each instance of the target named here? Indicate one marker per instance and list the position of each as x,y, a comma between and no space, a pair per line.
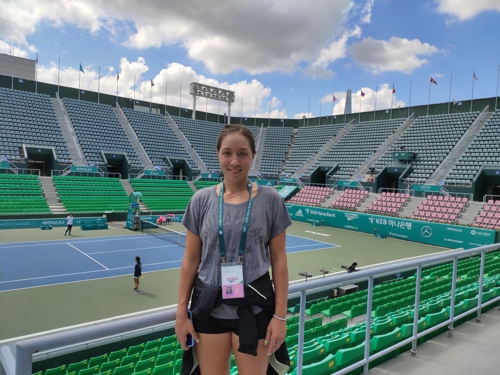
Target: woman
252,325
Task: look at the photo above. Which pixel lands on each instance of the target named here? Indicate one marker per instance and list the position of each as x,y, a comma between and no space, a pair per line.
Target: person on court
235,232
137,274
69,223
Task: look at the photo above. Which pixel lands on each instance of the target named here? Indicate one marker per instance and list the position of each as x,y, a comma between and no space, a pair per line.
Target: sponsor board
59,222
445,235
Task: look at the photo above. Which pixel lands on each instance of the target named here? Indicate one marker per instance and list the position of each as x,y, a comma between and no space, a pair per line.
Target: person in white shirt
69,221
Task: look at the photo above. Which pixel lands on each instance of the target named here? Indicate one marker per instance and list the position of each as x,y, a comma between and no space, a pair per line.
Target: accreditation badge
232,280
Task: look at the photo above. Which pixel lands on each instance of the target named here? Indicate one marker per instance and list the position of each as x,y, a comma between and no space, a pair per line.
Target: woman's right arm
190,263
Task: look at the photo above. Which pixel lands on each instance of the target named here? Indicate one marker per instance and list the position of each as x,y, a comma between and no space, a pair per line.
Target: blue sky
272,53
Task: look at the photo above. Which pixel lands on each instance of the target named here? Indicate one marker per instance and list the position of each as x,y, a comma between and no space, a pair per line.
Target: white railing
19,361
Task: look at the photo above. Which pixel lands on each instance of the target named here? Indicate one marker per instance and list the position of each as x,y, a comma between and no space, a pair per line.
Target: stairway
187,146
50,193
134,140
127,186
259,148
372,197
323,150
411,206
382,149
68,131
470,212
192,186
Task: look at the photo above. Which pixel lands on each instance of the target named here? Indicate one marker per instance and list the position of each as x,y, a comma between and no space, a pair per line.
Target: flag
475,77
433,81
81,69
117,76
152,83
393,89
362,94
334,99
36,61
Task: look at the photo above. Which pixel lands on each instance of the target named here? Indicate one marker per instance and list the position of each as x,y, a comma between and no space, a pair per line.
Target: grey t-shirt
268,218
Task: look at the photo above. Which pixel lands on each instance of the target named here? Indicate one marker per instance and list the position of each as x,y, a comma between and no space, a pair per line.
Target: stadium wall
445,235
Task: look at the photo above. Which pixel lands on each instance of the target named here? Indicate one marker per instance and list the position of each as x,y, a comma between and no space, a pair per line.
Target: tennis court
64,293
44,263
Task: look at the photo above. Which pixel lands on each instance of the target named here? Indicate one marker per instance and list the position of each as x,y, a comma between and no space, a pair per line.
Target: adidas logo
299,213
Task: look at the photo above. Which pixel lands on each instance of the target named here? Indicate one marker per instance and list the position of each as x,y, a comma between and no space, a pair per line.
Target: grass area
41,309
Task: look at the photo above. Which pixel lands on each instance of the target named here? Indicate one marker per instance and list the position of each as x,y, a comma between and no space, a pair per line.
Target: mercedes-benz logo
426,231
473,232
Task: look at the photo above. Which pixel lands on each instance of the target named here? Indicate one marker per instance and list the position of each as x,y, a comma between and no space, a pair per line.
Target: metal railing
19,362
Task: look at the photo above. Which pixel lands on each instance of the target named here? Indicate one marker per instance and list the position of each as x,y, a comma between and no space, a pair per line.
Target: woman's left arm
276,330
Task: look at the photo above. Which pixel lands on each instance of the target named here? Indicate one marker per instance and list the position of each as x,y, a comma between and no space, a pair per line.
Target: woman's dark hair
137,259
236,128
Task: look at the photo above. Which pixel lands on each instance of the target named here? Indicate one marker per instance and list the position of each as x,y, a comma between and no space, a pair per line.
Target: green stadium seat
381,342
90,371
145,372
136,349
145,365
324,367
130,359
97,361
167,369
151,353
124,370
76,367
119,354
153,344
109,366
349,356
61,370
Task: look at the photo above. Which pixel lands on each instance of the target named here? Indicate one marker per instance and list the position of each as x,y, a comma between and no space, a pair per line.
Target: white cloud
373,99
301,115
7,49
336,50
234,35
169,82
396,54
466,9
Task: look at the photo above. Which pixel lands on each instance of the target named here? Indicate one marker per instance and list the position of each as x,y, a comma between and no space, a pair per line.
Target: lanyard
243,240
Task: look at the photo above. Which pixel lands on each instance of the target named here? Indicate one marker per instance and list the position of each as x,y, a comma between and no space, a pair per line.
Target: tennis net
163,233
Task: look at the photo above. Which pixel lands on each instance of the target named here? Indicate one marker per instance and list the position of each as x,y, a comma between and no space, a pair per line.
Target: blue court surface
32,264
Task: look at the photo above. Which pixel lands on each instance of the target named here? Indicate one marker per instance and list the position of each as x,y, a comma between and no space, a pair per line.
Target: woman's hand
275,336
183,327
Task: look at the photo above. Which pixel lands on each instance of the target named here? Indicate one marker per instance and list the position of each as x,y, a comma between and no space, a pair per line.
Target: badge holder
232,282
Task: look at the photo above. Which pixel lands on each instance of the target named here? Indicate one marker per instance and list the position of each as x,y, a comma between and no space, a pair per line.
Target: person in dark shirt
137,274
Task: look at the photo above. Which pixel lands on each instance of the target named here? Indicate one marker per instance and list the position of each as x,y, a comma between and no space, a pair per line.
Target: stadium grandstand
423,179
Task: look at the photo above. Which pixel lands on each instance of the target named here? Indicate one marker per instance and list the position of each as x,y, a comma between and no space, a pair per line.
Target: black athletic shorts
216,325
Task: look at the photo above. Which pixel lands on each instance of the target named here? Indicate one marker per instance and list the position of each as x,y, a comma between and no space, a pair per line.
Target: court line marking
84,240
82,273
310,239
139,248
102,265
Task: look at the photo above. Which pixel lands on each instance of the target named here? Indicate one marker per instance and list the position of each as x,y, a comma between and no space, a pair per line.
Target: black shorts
216,325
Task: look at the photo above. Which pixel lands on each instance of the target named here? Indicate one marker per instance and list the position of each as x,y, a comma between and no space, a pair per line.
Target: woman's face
235,157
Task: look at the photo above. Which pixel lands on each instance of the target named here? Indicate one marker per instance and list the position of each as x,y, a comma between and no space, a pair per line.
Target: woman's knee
213,352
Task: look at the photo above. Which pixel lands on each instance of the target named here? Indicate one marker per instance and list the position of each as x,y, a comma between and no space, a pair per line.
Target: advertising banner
444,235
59,222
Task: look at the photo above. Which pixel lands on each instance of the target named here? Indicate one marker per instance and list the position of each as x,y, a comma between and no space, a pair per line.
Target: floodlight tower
199,90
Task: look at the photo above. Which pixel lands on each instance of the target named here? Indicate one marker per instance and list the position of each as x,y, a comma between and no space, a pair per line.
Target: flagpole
99,85
496,97
429,99
134,90
375,110
392,98
79,71
359,114
241,110
255,116
449,97
333,108
320,105
284,109
117,78
166,88
472,95
409,103
308,110
58,73
36,75
150,90
269,114
180,101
